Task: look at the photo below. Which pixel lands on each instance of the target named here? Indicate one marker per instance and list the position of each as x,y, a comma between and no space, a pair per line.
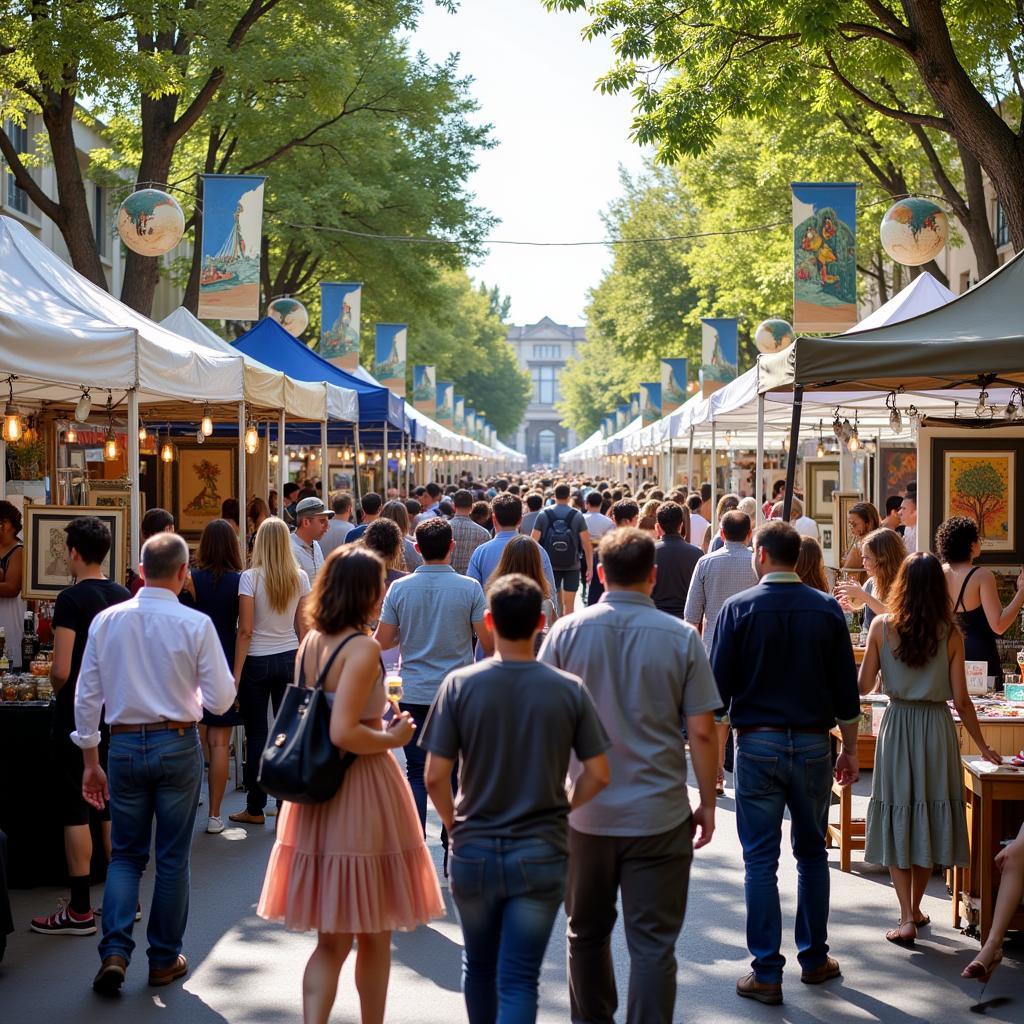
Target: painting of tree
980,486
203,480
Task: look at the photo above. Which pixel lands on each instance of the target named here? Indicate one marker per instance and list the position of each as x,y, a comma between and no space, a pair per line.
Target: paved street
244,970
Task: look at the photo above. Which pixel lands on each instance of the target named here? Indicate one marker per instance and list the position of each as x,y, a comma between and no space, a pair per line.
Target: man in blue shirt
785,670
507,512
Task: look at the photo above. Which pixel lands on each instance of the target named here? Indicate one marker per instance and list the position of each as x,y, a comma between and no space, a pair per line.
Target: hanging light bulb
70,435
913,418
339,456
854,443
111,453
167,449
84,406
895,418
982,408
12,418
837,427
207,424
847,429
362,459
200,436
275,458
346,455
252,439
312,456
820,451
143,433
870,447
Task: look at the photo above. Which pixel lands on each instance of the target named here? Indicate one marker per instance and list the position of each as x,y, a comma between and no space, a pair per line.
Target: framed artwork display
897,468
203,478
821,479
115,493
977,479
341,478
46,571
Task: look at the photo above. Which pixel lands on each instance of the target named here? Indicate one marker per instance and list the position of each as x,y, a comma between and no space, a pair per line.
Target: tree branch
27,183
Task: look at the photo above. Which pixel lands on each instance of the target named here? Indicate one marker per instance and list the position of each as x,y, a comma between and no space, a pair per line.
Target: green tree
934,68
980,492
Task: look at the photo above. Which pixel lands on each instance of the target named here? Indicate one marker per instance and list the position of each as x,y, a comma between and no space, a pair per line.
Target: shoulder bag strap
327,667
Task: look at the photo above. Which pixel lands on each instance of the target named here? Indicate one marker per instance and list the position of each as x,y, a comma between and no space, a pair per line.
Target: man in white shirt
698,523
597,523
311,519
150,667
340,526
804,525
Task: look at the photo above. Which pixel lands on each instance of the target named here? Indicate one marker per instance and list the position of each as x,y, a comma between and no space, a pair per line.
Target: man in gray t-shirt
510,724
649,675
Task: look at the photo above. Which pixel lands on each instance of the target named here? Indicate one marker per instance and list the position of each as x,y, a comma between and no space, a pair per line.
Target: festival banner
719,352
229,274
340,305
459,419
621,417
470,421
389,356
445,413
650,402
673,384
824,256
424,389
634,404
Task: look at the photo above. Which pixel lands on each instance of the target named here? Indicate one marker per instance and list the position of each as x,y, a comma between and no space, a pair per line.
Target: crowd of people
613,634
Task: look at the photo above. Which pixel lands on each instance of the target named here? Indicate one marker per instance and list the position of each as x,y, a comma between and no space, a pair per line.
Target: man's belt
151,727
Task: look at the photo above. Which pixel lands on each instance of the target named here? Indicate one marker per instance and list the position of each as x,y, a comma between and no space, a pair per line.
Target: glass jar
9,688
27,689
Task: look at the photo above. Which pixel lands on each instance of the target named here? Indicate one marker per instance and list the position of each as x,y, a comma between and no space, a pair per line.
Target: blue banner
621,417
673,384
459,418
634,404
824,256
389,356
719,352
650,402
229,274
446,404
340,307
424,389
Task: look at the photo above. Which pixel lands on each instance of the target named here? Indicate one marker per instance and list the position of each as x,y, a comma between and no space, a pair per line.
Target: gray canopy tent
970,344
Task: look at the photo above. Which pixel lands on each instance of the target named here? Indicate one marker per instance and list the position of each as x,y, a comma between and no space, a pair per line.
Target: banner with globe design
230,246
719,352
389,356
824,256
340,305
650,402
634,404
673,384
424,389
459,417
445,412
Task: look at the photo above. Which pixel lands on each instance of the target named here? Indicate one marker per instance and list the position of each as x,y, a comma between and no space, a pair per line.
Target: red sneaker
65,922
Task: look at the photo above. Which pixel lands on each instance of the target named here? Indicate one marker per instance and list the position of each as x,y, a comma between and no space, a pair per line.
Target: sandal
923,921
977,970
896,936
720,784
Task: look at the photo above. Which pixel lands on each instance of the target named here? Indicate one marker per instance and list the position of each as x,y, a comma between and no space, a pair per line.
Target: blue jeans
507,893
263,682
776,771
156,774
415,765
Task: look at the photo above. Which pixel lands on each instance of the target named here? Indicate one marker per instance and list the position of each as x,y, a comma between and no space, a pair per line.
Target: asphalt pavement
245,970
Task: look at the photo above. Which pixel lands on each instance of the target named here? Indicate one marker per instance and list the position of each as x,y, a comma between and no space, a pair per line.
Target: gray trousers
653,873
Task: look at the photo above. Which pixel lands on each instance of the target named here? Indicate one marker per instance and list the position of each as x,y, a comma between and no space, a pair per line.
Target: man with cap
311,518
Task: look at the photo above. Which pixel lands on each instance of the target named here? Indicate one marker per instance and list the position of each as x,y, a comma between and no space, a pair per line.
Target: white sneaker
214,826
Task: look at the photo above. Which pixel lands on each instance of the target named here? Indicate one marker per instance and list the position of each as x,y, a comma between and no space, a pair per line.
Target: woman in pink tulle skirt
355,867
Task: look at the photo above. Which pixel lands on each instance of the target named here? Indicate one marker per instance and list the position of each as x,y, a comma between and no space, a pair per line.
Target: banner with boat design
340,303
389,356
424,389
229,277
673,384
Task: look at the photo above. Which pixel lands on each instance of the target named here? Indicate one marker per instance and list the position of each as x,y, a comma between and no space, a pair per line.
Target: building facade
542,349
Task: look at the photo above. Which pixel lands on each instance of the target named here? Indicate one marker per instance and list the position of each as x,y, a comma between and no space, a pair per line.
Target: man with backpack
562,532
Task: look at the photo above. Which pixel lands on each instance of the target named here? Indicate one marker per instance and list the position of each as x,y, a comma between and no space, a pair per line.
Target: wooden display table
1004,735
995,809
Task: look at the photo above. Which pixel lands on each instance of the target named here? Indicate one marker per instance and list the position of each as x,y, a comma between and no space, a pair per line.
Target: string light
12,418
143,433
167,451
207,424
252,439
982,408
200,436
111,453
70,435
84,406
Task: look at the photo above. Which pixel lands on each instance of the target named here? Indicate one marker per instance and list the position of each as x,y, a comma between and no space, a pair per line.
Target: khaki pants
653,873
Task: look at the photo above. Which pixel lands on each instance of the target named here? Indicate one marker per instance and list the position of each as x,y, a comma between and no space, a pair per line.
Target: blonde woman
270,626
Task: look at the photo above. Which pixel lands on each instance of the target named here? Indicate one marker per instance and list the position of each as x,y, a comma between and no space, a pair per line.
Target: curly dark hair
954,539
920,608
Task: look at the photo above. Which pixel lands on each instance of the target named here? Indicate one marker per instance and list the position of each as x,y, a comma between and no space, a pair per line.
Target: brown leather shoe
750,988
110,976
826,972
165,975
247,819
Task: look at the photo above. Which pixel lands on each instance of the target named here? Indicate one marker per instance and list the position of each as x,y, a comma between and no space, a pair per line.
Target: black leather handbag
299,762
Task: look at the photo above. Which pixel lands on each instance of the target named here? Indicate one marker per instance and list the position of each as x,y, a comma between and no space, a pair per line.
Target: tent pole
384,462
133,479
355,461
759,467
282,464
689,463
325,483
714,479
794,443
242,525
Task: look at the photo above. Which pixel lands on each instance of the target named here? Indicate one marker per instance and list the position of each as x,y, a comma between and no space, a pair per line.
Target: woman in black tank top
979,614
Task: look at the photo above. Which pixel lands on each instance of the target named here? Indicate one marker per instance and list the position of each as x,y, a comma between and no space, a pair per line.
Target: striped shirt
717,577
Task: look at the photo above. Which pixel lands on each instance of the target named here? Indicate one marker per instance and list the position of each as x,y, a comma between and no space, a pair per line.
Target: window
965,281
17,198
547,447
99,221
547,351
1002,227
545,384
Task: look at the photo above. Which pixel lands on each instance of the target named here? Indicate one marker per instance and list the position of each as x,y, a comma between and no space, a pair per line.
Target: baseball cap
313,507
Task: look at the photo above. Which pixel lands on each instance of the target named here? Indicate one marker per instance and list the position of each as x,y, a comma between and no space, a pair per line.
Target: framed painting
341,478
821,479
977,479
46,571
897,467
842,502
114,493
203,478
